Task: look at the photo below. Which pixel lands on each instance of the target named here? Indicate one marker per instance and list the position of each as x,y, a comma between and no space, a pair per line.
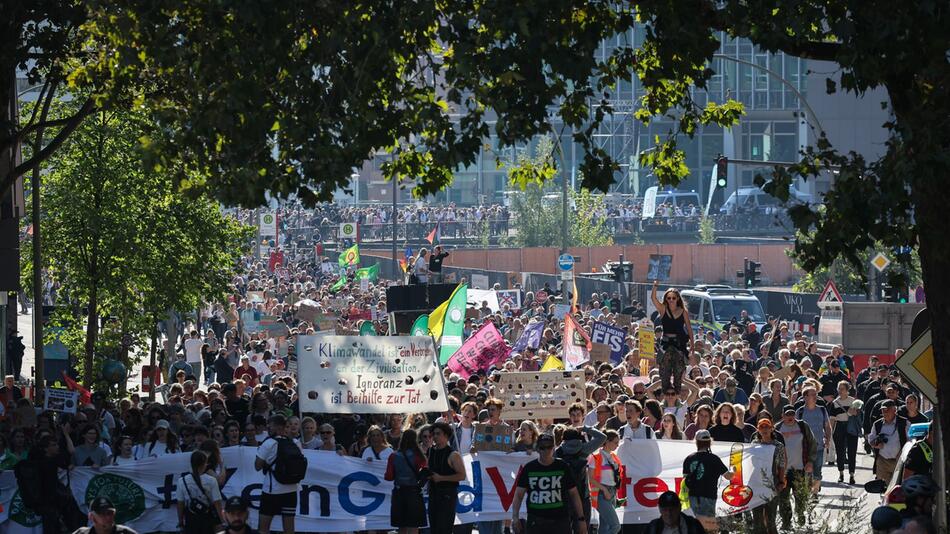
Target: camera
879,440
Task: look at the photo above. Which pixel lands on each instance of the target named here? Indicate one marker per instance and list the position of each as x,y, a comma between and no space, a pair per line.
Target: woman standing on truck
677,337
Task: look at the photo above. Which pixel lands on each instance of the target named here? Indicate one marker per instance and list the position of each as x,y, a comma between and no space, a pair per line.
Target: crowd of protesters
231,384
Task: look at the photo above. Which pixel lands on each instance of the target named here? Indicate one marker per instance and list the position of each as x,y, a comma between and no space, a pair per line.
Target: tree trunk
92,334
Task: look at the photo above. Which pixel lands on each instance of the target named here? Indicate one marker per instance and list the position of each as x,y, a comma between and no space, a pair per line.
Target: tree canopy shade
288,97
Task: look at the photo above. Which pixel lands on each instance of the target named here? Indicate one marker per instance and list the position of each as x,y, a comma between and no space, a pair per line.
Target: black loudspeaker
420,297
402,321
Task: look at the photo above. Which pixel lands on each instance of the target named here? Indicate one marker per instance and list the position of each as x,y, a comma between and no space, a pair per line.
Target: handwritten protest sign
646,335
599,352
483,349
488,437
624,320
369,374
612,336
273,325
511,297
539,395
61,400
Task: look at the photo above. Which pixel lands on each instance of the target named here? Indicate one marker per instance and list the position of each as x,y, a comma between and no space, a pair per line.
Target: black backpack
290,466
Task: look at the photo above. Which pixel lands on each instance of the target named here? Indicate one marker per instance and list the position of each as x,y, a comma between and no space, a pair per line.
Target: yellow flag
437,317
553,363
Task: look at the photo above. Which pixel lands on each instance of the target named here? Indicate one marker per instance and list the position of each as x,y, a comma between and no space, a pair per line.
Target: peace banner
369,374
345,494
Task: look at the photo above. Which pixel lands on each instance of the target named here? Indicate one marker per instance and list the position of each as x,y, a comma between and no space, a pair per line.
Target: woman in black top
724,428
677,337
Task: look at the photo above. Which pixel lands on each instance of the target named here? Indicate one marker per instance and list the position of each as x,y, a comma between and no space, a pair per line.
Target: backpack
290,465
578,465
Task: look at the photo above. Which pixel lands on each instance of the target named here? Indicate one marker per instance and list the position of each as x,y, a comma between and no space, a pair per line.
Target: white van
755,200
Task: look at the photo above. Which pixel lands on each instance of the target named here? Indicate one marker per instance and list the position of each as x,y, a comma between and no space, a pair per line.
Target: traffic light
753,272
722,175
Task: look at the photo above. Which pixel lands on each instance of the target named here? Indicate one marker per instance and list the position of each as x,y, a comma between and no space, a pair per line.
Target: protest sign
476,297
480,281
659,267
539,395
599,353
61,400
646,336
575,345
560,310
511,297
530,338
624,320
369,374
484,348
488,437
345,494
611,336
273,325
307,310
255,296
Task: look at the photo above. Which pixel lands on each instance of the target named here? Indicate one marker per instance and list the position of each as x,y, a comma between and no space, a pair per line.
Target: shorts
279,504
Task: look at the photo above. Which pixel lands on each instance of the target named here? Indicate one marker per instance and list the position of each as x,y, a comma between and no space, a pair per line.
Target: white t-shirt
422,270
267,452
118,460
209,484
146,450
313,444
465,438
383,455
193,350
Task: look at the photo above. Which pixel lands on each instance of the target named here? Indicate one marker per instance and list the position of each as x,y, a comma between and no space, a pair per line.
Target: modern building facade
775,127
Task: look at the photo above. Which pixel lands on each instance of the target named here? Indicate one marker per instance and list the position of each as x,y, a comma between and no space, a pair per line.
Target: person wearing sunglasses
677,337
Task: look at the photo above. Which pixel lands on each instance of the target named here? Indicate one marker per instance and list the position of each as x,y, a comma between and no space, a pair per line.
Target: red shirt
241,371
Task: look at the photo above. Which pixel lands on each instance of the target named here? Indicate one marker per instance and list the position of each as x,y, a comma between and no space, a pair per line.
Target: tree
903,271
123,240
588,228
289,97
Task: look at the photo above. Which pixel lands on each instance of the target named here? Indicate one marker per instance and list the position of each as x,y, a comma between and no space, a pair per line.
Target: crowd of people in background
231,383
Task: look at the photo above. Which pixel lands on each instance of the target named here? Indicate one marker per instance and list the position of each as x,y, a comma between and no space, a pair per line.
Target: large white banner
341,494
655,466
369,374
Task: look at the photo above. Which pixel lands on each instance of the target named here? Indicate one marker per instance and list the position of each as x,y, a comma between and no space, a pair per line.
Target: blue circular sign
565,262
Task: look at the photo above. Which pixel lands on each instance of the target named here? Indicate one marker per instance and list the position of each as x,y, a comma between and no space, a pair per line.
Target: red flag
85,397
435,235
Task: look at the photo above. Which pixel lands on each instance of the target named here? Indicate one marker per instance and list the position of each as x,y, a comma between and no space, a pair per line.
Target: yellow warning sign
917,365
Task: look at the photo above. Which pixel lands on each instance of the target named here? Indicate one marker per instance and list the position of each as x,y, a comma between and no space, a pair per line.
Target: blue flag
531,337
408,253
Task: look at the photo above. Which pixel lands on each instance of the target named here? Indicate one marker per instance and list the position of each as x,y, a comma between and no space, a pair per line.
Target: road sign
565,262
880,262
567,276
917,365
830,294
348,229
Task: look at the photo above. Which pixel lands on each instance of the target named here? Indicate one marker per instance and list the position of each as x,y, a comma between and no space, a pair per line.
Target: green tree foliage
903,271
587,223
123,240
707,231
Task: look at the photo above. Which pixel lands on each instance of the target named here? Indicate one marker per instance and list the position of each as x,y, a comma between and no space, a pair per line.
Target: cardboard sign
369,374
646,335
61,400
624,320
540,395
492,437
307,312
600,352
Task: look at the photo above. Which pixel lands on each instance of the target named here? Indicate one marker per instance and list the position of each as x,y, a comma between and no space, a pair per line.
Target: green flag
350,256
453,323
372,273
420,327
367,329
338,285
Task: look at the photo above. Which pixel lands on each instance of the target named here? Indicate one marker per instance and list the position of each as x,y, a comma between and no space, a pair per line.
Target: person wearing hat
102,517
887,437
550,487
801,450
701,472
672,519
235,513
764,517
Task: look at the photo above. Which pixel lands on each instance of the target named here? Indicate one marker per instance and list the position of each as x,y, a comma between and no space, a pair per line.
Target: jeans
705,506
819,460
609,523
846,447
